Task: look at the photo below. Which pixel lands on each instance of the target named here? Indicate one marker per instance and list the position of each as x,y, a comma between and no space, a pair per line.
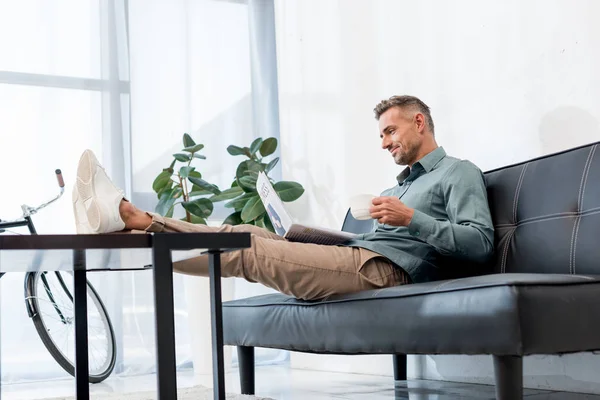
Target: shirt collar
427,163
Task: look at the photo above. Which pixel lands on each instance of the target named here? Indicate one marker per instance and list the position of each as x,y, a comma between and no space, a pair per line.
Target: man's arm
468,231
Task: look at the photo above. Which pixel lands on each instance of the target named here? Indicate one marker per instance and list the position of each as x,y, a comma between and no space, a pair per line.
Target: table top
115,251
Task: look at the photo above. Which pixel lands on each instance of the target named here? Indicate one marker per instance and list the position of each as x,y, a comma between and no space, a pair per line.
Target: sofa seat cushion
503,314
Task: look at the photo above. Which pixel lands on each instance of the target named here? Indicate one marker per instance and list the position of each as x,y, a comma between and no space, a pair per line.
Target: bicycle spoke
56,308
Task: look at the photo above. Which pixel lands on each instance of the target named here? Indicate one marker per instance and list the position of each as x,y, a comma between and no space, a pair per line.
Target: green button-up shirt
451,223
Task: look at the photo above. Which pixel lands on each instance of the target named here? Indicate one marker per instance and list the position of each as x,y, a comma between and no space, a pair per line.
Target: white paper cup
359,206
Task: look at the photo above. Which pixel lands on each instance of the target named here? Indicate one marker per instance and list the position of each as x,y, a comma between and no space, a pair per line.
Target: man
435,215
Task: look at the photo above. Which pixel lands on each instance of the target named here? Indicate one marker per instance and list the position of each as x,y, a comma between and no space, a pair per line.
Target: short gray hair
405,102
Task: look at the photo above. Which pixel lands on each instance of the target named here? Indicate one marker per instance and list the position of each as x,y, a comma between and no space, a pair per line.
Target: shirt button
417,233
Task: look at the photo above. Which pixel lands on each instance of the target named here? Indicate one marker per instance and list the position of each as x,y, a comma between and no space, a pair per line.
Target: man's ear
420,122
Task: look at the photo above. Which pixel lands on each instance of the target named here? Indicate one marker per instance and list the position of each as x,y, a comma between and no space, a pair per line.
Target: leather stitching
571,248
550,217
505,252
575,244
584,176
517,191
586,171
591,158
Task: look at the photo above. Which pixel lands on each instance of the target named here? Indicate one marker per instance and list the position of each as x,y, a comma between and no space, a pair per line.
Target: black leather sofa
540,295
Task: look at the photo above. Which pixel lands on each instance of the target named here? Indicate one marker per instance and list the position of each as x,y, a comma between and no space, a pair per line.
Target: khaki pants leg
303,270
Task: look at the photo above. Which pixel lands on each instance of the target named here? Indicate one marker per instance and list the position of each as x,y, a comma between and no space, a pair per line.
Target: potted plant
242,195
181,183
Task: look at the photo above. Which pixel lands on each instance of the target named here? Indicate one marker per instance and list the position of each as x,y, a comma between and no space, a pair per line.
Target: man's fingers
377,214
377,201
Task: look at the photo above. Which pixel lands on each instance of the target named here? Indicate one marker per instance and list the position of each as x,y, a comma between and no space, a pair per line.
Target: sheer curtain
53,104
65,85
219,57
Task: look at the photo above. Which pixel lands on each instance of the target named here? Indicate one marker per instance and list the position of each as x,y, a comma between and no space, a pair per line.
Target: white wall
506,81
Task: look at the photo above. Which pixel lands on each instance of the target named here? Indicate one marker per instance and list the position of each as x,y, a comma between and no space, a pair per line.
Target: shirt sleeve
468,232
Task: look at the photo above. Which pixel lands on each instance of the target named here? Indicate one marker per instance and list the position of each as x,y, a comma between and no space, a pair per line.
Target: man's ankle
126,211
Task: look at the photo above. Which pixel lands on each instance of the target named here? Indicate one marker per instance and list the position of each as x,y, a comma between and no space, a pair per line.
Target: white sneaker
81,222
95,198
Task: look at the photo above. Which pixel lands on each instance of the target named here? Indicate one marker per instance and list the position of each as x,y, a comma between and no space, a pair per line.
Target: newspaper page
279,217
283,224
309,234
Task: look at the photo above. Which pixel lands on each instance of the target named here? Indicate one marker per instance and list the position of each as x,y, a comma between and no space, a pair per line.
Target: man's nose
385,142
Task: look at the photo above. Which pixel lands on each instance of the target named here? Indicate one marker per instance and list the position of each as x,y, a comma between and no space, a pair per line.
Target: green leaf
246,166
214,189
195,174
183,157
255,146
169,213
254,166
176,192
268,224
196,193
199,207
270,165
169,186
194,148
161,181
253,209
268,146
165,202
187,140
260,222
235,150
233,219
248,183
184,172
288,191
172,165
195,219
227,194
241,201
200,156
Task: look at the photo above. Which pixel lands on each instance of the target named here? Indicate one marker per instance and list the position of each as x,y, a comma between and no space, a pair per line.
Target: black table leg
165,319
216,320
82,386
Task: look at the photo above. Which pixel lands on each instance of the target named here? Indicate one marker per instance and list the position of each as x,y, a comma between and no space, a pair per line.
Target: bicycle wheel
51,301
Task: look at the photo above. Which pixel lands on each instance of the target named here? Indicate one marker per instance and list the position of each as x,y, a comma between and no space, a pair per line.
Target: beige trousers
305,271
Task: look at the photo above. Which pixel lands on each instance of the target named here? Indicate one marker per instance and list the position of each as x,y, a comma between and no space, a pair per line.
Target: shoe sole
86,170
80,215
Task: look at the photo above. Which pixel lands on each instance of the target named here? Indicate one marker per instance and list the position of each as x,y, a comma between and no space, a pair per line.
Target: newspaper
284,224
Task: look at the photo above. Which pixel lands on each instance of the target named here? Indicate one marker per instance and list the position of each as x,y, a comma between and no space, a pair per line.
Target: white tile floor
283,383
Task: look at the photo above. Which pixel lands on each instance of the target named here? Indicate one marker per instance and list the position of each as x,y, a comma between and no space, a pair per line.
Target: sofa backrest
546,213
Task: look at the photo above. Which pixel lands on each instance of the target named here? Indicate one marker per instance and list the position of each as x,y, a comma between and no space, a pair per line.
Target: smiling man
432,221
437,215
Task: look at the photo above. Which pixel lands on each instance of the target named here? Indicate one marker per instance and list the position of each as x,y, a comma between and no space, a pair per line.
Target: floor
283,383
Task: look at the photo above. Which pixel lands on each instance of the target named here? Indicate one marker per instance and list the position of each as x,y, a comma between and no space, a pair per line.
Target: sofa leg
399,367
246,362
508,371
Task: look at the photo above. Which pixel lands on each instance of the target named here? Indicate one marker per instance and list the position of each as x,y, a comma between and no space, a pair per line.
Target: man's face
399,135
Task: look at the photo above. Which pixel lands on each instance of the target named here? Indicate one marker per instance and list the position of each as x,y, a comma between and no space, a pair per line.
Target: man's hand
390,210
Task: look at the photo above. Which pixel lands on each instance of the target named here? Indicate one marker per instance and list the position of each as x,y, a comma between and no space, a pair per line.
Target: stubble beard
406,157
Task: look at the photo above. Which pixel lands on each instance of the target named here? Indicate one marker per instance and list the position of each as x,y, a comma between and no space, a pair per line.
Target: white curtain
126,79
221,89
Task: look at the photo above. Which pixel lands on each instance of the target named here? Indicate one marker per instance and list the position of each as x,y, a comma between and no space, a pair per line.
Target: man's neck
425,149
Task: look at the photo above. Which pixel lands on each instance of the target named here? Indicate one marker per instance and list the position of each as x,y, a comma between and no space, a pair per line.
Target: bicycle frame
26,220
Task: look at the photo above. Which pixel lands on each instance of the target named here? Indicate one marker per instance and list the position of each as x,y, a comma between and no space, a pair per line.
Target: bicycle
49,303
